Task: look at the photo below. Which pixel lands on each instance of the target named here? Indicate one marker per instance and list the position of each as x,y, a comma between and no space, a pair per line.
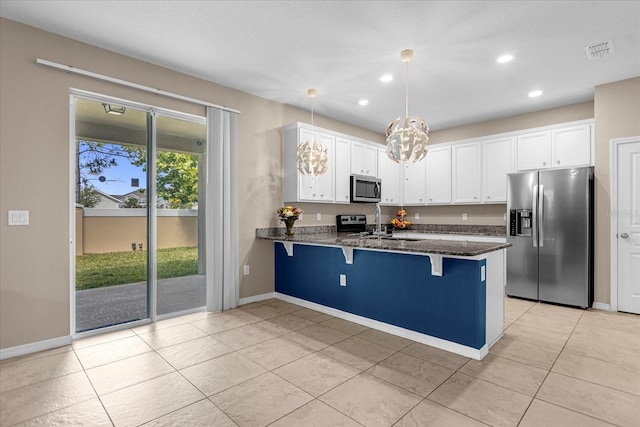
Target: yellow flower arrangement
400,222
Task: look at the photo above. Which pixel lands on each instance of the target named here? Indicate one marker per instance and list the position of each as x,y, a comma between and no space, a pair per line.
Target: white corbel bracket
288,246
436,264
348,254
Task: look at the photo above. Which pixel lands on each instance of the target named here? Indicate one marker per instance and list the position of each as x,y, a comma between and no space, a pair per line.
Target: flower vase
289,224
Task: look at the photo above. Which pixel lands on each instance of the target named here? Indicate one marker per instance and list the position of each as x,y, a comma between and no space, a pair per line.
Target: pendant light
407,138
312,155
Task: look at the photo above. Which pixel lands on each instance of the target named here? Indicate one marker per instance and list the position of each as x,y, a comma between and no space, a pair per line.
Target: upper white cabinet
438,174
389,173
466,172
563,146
297,186
414,183
571,146
497,161
364,159
534,150
343,170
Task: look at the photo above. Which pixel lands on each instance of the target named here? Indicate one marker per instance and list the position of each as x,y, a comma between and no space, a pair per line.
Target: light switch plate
464,216
416,215
18,217
246,270
319,216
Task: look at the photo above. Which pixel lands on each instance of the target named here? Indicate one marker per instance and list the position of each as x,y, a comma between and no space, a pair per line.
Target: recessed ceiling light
535,93
386,78
505,58
363,102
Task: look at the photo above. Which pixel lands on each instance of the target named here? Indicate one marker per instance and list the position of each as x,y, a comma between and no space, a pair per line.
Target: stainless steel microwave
365,189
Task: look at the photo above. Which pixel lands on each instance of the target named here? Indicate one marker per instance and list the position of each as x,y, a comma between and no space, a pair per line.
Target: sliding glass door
179,178
139,213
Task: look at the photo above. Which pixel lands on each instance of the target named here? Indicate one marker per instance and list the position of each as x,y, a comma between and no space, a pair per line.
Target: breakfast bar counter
446,291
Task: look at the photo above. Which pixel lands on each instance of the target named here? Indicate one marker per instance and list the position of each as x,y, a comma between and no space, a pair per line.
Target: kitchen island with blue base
411,289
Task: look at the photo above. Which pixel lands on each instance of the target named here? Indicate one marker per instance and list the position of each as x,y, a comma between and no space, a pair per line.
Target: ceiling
279,49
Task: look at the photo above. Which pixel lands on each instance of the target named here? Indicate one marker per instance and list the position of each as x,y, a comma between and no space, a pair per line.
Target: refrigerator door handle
534,217
541,215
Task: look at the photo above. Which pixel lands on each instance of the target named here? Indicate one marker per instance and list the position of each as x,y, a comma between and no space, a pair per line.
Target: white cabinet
497,163
364,159
414,183
571,146
465,172
389,173
297,186
534,150
556,148
343,170
438,174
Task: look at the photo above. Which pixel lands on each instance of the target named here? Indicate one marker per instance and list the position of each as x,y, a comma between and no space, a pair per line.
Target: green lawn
117,268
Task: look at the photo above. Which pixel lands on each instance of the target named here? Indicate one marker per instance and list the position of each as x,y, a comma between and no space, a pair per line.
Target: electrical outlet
343,280
246,270
504,216
301,217
464,216
319,216
416,215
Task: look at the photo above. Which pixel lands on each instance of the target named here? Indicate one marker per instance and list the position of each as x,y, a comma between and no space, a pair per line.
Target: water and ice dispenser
520,222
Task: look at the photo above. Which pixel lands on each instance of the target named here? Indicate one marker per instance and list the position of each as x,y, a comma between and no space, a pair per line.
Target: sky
118,178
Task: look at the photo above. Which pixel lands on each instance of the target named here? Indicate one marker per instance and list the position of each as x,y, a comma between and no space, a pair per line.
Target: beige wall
617,113
35,168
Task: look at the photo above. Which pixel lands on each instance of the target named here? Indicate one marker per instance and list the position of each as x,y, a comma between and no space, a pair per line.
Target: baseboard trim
460,349
601,306
21,350
256,298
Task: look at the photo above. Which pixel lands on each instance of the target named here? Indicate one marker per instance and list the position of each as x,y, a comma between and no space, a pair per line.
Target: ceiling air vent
599,50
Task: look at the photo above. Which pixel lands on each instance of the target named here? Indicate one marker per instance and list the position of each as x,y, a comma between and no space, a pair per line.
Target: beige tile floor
275,363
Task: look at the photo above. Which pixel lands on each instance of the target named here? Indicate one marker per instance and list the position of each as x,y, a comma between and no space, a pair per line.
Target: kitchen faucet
378,222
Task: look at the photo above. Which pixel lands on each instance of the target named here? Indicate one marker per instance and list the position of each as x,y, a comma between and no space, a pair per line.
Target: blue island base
394,292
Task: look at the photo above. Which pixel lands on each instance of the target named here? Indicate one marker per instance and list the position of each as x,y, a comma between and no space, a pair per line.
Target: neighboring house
141,197
107,201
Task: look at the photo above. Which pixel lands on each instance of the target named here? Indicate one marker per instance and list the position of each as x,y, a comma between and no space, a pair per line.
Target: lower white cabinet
438,174
389,173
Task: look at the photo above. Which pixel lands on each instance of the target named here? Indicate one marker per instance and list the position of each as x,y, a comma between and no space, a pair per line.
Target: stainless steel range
351,223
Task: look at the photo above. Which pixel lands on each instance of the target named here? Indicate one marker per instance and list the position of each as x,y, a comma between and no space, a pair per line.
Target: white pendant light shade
312,155
407,137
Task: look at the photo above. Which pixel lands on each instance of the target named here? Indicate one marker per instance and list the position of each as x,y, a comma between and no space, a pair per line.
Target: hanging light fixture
407,138
312,155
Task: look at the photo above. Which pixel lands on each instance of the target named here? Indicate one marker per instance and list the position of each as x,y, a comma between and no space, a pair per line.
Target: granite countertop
328,236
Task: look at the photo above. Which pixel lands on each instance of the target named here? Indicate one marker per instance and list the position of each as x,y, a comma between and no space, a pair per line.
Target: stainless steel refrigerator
550,225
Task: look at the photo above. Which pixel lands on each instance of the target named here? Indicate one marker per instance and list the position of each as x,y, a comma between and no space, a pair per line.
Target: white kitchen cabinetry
438,174
497,163
414,183
534,150
364,159
466,174
555,148
297,186
343,170
389,173
571,146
